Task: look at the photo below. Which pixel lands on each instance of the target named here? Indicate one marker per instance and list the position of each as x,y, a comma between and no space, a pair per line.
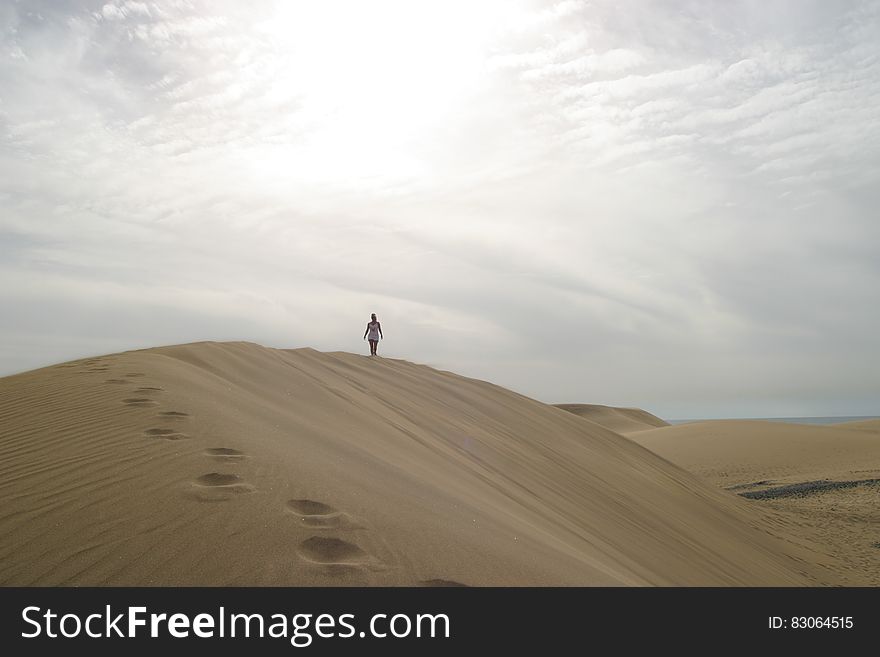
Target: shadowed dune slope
234,464
619,420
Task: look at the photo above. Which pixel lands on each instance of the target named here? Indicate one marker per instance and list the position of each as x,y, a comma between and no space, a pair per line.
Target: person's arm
380,330
367,331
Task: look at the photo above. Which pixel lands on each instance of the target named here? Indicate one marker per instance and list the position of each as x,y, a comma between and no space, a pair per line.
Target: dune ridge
619,420
235,464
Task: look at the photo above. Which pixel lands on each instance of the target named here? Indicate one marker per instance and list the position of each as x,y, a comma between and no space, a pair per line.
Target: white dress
374,331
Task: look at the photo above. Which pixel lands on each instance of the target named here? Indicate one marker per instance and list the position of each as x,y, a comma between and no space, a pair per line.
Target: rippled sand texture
234,464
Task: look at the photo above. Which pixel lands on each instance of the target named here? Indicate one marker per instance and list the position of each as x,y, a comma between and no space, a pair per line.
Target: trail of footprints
215,486
320,519
209,487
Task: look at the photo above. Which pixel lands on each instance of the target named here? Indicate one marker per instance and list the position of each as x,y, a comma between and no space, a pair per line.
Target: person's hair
373,315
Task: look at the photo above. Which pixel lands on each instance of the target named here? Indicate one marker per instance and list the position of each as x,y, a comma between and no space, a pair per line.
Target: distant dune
619,420
234,464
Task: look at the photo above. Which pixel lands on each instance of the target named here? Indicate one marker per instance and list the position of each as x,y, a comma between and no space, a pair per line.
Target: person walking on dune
374,330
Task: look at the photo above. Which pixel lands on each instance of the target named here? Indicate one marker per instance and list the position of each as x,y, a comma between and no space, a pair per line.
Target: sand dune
861,425
234,464
739,452
619,420
822,481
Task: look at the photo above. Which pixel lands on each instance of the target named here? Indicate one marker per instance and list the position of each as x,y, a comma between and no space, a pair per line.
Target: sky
668,205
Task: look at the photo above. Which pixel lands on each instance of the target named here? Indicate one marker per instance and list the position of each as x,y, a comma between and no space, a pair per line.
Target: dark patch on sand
802,489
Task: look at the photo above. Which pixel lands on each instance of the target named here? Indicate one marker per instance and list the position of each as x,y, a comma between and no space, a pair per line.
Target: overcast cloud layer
670,205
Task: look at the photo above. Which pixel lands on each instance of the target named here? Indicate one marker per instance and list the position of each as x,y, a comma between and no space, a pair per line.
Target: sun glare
371,79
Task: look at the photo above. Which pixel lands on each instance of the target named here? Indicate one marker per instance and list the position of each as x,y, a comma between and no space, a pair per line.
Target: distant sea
794,420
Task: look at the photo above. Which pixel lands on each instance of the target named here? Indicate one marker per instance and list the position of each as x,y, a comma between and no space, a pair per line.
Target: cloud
608,202
112,12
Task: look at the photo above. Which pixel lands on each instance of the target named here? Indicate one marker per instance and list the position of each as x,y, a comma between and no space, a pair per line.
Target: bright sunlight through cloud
374,82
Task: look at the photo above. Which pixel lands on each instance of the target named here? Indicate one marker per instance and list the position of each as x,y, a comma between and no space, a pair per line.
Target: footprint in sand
225,454
320,516
174,415
91,365
167,434
218,479
134,375
148,389
311,508
139,401
219,487
438,583
332,551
